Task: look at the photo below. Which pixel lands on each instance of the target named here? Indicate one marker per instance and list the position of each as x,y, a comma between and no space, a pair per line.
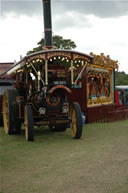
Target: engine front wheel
29,123
76,120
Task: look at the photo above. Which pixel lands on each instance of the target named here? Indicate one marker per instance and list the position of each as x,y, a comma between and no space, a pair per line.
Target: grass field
56,163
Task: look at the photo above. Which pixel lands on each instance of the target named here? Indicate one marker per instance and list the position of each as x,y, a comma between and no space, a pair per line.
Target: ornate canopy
49,55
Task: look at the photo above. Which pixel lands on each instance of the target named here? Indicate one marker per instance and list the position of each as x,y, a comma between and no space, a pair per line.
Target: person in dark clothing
122,96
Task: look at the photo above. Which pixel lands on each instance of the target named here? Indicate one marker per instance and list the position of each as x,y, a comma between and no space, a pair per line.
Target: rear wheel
8,112
76,120
29,123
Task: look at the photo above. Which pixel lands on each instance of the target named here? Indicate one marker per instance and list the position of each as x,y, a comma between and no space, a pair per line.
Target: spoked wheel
29,123
10,112
57,128
7,112
76,120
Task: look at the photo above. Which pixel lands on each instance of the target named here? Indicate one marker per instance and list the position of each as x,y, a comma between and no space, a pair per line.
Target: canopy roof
49,54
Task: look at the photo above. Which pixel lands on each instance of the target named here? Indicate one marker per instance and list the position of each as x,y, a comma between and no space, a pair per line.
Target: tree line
121,78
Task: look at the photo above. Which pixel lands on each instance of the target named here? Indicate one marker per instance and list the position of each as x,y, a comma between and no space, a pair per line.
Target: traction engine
44,80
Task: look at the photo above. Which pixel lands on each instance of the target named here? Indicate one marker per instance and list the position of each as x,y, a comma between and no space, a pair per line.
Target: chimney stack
47,24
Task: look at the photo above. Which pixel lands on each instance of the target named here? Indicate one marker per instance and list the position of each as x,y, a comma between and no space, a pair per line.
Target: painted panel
99,86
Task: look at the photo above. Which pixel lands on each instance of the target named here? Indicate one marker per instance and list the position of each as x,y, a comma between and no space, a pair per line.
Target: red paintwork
117,97
79,94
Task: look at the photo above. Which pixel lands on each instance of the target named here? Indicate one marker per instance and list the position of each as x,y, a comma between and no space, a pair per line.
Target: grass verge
56,163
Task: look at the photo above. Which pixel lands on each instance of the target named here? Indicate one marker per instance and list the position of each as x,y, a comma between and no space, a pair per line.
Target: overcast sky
94,25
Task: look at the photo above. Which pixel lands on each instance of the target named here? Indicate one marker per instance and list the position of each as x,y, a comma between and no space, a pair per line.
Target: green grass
56,163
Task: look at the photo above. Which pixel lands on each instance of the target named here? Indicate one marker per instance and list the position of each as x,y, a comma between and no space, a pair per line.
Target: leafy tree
121,78
58,42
